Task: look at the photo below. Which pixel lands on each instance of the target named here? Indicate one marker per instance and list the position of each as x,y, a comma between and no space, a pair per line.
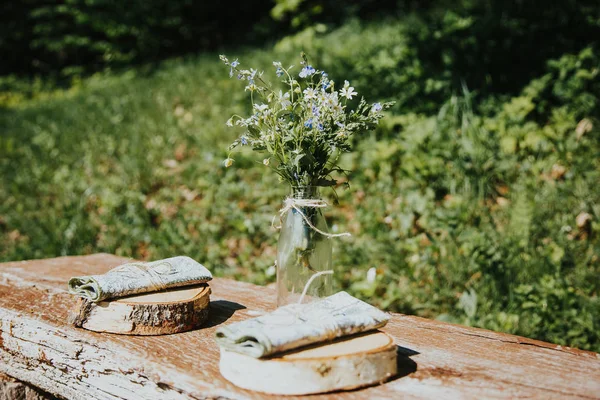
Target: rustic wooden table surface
436,360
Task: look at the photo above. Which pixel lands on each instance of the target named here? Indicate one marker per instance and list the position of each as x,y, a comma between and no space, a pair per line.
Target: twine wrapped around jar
296,204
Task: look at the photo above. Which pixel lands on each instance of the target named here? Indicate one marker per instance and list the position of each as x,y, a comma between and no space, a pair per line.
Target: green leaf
253,131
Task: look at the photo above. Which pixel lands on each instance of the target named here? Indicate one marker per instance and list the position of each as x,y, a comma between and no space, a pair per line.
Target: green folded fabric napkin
297,325
140,277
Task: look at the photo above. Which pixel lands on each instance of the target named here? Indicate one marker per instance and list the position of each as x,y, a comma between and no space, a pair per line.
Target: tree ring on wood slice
347,363
158,313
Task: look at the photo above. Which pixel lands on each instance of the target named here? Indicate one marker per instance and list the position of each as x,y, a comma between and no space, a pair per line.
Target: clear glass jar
302,252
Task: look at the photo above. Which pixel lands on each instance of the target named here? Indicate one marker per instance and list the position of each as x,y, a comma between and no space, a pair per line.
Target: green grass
469,215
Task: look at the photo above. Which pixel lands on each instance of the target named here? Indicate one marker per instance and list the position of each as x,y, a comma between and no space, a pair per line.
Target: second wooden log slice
160,313
347,363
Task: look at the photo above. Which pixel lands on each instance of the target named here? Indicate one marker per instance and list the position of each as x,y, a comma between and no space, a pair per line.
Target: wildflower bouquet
304,125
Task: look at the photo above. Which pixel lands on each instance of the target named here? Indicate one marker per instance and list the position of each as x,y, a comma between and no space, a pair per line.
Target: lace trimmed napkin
297,325
140,277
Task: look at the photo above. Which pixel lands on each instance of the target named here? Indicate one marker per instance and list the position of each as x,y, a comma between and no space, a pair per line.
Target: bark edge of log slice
159,313
345,364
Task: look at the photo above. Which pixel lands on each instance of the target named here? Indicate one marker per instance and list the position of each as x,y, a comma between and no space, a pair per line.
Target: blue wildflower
307,71
233,65
252,74
244,140
309,123
279,72
296,176
320,127
240,77
325,75
315,111
376,107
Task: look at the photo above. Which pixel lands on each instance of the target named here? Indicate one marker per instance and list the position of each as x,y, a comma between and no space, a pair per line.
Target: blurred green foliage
479,207
493,45
434,48
77,36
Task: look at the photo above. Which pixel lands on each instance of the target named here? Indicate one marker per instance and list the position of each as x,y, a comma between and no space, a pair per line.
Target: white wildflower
331,100
284,99
310,94
371,274
347,91
261,108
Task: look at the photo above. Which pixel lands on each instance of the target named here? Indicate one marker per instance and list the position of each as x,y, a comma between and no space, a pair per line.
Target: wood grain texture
160,313
436,360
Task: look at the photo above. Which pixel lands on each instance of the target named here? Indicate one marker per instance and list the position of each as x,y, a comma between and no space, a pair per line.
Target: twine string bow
297,204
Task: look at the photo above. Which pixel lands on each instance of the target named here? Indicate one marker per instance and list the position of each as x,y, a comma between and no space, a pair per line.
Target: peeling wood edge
79,313
13,389
68,366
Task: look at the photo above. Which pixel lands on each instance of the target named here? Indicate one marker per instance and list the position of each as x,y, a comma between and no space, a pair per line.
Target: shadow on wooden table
406,365
221,311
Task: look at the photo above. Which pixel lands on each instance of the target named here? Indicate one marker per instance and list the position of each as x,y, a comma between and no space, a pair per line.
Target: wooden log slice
347,363
159,313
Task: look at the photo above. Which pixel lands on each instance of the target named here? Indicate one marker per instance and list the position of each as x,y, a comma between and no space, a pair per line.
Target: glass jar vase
304,262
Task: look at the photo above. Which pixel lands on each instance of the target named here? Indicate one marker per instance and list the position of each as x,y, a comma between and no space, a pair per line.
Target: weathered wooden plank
438,360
